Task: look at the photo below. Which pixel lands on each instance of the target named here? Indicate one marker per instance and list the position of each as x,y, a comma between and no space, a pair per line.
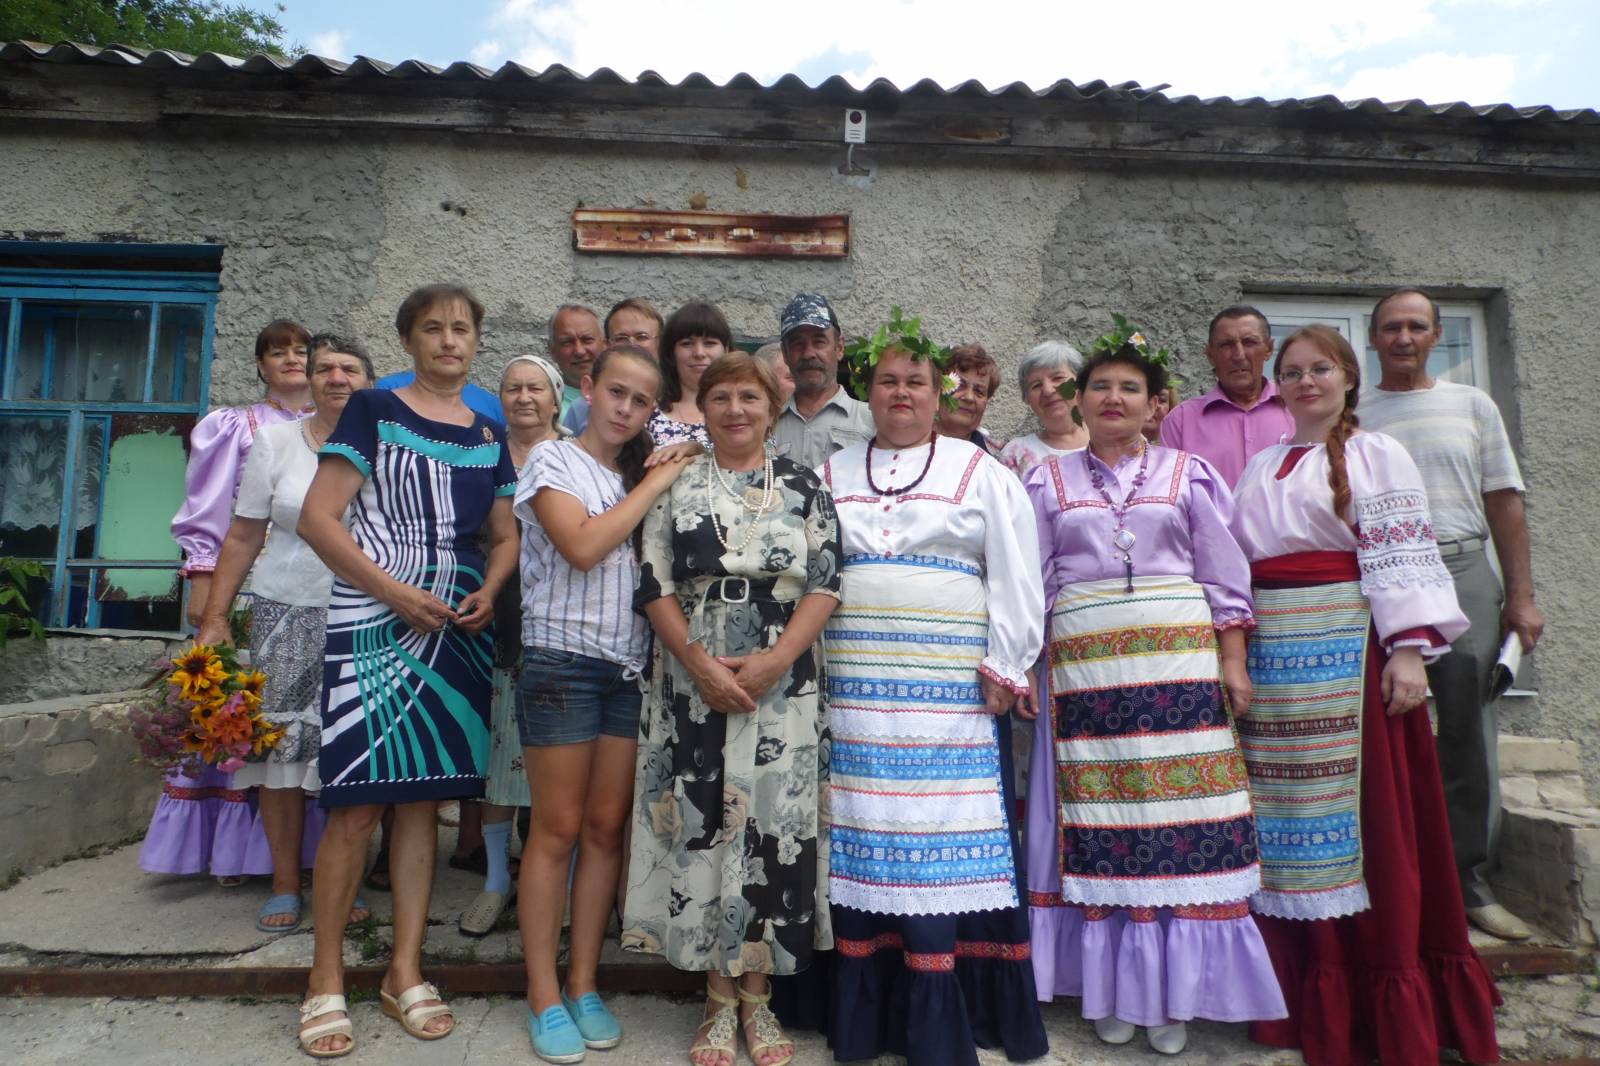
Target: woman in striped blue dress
407,668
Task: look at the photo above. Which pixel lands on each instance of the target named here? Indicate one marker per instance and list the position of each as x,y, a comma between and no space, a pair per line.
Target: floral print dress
728,870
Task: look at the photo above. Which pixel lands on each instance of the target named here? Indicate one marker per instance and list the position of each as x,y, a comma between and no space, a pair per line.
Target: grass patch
364,935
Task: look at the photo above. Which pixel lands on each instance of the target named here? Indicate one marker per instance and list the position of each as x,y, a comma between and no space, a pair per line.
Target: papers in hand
1504,674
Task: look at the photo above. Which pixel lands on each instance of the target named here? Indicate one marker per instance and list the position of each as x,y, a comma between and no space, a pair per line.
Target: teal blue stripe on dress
506,490
485,455
344,451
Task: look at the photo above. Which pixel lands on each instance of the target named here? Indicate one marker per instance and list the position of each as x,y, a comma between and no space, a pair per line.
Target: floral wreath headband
861,355
1121,335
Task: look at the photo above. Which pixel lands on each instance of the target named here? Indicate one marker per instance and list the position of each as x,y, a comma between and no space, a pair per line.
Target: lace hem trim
1313,906
1224,887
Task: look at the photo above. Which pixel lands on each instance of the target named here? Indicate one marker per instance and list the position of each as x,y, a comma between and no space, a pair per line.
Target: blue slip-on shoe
599,1026
555,1036
288,903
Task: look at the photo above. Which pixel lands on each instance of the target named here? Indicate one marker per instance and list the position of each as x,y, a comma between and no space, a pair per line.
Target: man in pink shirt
1243,414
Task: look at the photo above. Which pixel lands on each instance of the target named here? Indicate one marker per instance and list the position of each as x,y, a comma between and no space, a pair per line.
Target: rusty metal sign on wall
657,232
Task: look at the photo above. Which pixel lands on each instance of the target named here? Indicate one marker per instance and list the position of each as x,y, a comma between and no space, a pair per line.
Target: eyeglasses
1322,372
635,338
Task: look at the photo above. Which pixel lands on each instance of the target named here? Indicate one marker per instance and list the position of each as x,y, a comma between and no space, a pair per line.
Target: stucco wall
333,228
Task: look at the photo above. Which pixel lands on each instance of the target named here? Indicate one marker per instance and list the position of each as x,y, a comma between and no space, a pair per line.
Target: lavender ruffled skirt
204,825
1146,965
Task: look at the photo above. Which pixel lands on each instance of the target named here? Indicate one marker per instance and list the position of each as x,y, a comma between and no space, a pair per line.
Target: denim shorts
567,698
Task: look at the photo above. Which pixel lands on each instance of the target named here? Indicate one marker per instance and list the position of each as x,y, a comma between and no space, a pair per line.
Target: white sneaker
1114,1030
1168,1039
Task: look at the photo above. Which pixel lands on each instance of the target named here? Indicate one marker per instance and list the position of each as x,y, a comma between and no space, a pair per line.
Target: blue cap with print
807,309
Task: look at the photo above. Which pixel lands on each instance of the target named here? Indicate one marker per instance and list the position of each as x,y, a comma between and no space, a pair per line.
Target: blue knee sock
497,843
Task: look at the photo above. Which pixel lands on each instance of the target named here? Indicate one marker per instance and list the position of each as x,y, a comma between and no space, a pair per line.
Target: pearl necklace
754,513
1122,538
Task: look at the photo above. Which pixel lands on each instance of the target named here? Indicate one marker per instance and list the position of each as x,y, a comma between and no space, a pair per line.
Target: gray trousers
1469,728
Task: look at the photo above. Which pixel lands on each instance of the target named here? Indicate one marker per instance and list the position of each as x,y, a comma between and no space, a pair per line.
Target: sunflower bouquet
204,711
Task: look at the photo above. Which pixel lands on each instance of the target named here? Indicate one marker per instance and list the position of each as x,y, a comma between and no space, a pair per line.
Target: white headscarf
557,383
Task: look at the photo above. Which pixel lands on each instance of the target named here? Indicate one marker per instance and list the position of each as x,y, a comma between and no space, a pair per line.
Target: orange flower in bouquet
206,711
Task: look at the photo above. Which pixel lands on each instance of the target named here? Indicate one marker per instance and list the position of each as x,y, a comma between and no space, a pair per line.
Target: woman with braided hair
1359,905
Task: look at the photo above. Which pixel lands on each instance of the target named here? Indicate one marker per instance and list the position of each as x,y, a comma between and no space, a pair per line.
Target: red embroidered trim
1006,683
861,949
1246,624
1046,899
943,962
231,795
1204,912
1170,498
1213,912
989,949
934,962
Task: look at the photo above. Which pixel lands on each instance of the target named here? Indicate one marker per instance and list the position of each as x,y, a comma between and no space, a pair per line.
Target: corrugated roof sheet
833,88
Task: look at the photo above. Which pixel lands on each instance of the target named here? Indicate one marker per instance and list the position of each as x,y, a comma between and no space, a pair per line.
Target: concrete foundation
1549,870
68,780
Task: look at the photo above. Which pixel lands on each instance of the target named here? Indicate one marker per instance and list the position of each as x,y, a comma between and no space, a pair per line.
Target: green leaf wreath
1123,334
862,354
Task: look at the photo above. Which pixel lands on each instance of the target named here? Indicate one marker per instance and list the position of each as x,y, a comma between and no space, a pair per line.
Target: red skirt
1400,980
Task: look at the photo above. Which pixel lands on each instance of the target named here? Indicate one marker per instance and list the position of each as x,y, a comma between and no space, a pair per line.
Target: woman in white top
1360,905
941,620
1040,377
288,613
578,699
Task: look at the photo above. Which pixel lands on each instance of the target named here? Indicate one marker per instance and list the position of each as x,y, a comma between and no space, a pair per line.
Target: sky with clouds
1482,51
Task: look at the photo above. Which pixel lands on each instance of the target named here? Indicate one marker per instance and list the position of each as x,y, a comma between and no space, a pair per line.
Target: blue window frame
103,373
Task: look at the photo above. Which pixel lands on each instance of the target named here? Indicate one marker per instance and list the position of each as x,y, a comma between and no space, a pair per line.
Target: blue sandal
288,903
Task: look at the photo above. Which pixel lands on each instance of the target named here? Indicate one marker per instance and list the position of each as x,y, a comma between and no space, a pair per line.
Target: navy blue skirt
932,988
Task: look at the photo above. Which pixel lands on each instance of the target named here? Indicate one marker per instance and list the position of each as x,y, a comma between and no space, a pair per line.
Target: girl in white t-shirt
578,699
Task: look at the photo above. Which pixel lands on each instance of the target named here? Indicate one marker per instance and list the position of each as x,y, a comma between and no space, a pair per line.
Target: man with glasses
1244,413
635,321
1458,439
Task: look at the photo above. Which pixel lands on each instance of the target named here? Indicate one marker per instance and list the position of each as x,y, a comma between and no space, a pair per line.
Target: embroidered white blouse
968,508
1387,526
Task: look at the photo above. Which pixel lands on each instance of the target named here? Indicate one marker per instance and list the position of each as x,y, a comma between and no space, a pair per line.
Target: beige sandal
412,1018
769,1035
723,1034
317,1007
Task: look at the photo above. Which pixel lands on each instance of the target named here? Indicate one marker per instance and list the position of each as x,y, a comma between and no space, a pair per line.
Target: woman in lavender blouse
205,824
1141,840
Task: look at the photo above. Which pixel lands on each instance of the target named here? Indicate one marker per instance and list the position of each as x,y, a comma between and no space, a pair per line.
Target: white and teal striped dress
405,715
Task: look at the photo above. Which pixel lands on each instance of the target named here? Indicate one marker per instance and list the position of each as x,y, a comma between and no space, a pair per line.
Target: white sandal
412,1018
317,1007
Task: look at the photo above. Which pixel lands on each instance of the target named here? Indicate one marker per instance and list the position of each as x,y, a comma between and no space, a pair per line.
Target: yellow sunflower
199,672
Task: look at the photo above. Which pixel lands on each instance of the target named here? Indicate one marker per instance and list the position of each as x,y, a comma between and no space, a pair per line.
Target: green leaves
14,577
862,354
1125,334
192,26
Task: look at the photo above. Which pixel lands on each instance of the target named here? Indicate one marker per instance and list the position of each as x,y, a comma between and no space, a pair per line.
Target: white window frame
1348,314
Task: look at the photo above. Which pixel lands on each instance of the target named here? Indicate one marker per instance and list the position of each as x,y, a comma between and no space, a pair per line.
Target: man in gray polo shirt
820,418
1456,435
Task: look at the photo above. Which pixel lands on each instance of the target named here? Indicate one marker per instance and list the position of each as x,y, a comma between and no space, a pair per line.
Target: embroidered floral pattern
1142,640
1395,545
1177,777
